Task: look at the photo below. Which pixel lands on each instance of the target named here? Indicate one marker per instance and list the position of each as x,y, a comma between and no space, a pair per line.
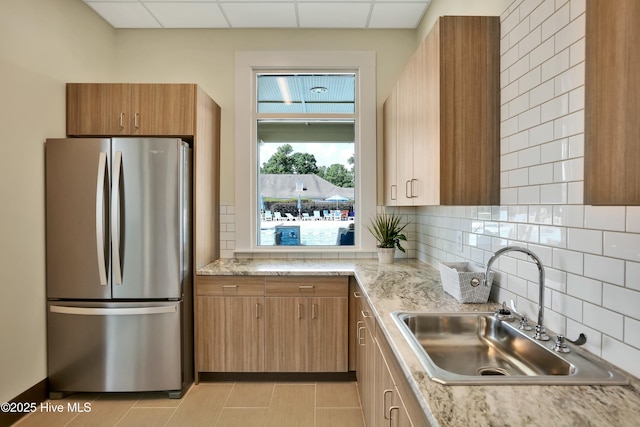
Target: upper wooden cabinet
112,109
612,103
444,117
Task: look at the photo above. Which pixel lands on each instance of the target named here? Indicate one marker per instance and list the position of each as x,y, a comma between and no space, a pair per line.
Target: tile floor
215,404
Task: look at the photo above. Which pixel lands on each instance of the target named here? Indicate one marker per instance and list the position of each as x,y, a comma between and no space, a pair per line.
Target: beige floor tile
242,417
292,405
201,405
250,395
343,417
157,400
106,410
143,417
337,395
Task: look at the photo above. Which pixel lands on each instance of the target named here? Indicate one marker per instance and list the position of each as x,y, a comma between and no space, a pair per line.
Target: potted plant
387,230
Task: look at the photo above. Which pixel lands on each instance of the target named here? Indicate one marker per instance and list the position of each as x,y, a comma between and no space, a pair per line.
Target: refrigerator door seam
115,218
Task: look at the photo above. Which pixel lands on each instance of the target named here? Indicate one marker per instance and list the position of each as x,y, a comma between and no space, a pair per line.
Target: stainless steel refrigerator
118,232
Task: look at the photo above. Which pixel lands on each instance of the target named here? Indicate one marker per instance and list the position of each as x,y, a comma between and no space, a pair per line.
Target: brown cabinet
123,109
390,407
443,116
612,103
365,359
306,324
230,315
271,324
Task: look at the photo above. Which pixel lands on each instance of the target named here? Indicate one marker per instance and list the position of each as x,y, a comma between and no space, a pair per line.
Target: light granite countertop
412,285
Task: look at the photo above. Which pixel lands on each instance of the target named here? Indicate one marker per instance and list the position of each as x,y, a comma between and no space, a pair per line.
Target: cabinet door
98,109
230,334
163,109
286,334
404,141
390,128
327,334
390,409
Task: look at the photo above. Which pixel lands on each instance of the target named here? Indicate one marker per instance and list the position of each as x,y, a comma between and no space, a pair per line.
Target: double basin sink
478,348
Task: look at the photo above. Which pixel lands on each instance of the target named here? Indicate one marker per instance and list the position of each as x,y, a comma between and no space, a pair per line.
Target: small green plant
387,230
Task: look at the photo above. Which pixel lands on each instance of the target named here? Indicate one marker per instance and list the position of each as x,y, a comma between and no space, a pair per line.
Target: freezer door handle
115,218
91,311
102,170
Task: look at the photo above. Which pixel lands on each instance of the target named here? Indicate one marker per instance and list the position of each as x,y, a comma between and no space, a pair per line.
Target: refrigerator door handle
90,311
102,169
115,218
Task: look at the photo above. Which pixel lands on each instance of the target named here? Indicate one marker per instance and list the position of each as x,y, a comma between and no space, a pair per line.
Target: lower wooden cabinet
271,324
306,324
385,395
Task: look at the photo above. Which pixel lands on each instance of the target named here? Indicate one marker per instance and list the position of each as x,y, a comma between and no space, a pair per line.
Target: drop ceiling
376,14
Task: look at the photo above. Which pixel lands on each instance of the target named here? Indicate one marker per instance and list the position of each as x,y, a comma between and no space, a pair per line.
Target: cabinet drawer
241,286
316,286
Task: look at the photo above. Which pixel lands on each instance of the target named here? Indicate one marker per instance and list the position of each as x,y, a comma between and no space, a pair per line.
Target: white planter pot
386,255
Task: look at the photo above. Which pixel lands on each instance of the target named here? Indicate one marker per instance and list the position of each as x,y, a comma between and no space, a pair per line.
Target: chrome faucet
541,333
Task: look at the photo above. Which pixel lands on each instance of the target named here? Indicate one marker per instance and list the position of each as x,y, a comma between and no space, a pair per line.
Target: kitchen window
305,151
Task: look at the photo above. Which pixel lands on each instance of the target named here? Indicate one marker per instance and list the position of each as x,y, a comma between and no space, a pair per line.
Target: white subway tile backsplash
622,300
518,178
570,34
576,145
621,355
556,22
568,215
604,320
542,93
509,23
529,119
632,278
554,108
509,126
576,193
570,79
633,219
584,288
508,59
519,32
542,53
577,52
580,239
622,245
569,125
578,7
632,332
509,93
555,65
569,261
529,42
528,233
540,214
576,99
609,270
605,217
509,196
519,68
542,13
553,236
528,195
529,157
519,105
554,150
526,7
567,305
542,174
518,141
569,170
554,193
529,81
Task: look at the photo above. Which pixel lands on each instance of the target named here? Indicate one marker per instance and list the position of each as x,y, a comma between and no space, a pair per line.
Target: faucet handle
524,322
561,346
503,313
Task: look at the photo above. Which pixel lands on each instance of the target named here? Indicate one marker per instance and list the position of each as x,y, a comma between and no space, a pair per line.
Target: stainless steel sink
477,348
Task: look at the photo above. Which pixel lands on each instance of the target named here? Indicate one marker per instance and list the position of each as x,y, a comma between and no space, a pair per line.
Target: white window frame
246,200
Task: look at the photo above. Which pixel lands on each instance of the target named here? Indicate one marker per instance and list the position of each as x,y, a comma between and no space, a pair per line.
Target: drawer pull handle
384,404
257,310
229,286
357,294
299,311
365,314
305,287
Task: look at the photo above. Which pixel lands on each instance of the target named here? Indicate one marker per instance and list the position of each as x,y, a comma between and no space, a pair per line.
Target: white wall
591,253
43,44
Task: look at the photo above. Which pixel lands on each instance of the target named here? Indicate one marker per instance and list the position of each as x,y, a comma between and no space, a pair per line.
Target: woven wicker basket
464,284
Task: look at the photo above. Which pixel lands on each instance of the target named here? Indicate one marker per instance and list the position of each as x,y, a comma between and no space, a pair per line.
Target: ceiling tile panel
187,14
124,14
333,15
260,15
397,15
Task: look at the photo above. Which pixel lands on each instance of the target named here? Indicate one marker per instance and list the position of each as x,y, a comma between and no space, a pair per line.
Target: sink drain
490,370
